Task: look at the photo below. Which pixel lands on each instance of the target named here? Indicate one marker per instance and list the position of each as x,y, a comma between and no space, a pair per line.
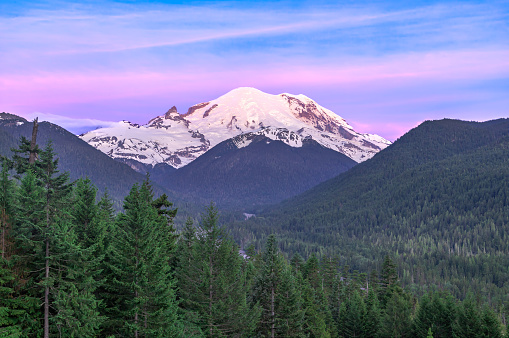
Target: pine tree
352,316
373,315
84,210
77,297
10,308
297,262
329,268
425,317
275,291
469,319
24,155
212,282
443,308
29,256
311,272
313,276
7,193
142,281
102,232
396,321
47,243
56,196
388,281
490,324
10,323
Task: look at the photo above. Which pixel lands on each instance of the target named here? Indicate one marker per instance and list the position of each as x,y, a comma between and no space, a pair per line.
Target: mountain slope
75,155
253,169
438,198
177,139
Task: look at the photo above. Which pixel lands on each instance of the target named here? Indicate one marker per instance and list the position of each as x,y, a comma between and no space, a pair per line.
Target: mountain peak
240,91
178,139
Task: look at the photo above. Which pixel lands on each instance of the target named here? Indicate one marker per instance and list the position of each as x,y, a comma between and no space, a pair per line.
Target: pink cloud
376,85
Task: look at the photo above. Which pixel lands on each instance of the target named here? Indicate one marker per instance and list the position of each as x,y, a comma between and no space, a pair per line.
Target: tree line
71,267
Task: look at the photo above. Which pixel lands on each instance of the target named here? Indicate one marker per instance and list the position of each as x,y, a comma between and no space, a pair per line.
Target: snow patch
179,139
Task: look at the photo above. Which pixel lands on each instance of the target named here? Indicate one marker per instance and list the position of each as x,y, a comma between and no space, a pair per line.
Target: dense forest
71,267
437,201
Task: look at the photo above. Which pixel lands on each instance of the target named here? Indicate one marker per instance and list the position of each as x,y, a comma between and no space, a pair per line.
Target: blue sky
384,66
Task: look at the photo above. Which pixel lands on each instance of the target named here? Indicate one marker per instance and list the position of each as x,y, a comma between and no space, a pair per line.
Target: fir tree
396,321
490,324
84,210
352,316
56,194
373,315
425,317
388,281
212,282
29,255
469,320
142,281
10,323
10,308
7,193
275,292
315,324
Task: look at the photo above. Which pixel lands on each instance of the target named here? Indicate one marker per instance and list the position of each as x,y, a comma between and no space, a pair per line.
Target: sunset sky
384,66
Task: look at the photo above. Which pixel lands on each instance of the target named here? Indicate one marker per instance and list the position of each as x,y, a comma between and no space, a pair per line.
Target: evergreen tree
77,298
212,282
315,323
56,194
373,315
29,255
311,272
329,268
396,321
11,310
50,259
142,281
469,322
313,277
7,193
21,160
84,210
275,292
444,314
425,317
388,281
490,324
352,316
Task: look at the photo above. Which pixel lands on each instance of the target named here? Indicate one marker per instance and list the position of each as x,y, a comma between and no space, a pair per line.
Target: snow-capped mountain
178,139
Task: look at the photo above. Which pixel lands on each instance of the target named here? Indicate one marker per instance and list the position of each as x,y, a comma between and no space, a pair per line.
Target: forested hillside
69,267
75,155
263,172
438,198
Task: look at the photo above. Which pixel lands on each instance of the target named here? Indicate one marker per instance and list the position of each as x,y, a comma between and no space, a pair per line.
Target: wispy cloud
75,125
132,60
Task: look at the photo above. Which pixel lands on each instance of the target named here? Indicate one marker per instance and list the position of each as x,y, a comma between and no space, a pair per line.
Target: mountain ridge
253,169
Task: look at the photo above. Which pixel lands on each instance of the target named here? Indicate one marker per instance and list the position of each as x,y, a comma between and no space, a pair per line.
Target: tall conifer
212,281
142,281
276,292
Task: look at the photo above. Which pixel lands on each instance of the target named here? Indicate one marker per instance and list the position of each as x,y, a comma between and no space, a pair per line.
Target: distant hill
75,156
438,198
252,170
